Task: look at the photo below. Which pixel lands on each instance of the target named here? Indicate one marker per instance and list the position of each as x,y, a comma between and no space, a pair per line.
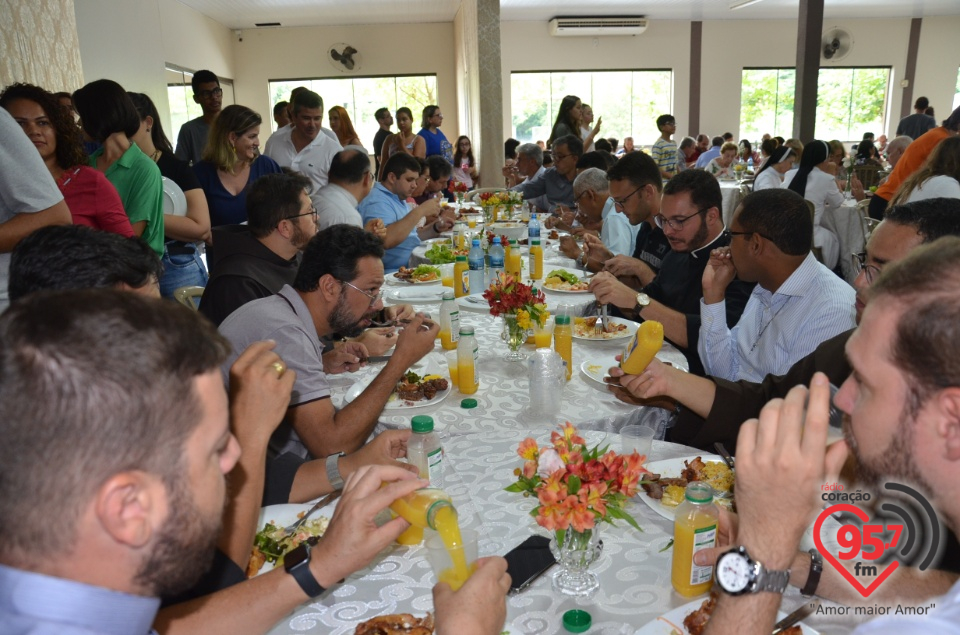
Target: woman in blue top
430,131
231,162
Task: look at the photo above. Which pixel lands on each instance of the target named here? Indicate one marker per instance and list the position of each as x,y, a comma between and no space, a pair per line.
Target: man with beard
713,409
690,219
337,290
114,417
902,425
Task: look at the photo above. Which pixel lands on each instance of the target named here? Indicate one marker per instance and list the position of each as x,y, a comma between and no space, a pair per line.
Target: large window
363,96
850,101
956,96
628,101
180,98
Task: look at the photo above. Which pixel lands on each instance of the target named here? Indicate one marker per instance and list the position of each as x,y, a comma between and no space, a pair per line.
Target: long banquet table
634,568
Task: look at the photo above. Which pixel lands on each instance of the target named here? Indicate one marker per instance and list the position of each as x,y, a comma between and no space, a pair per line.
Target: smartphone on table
527,561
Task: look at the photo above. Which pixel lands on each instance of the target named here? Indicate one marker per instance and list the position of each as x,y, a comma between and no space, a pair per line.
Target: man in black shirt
385,119
690,218
919,122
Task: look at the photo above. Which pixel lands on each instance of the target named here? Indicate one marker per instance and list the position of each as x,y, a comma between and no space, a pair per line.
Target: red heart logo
862,515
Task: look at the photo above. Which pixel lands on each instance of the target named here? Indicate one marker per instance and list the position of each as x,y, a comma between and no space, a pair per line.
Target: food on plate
422,273
670,491
696,622
272,543
560,280
553,235
413,387
440,254
397,624
586,328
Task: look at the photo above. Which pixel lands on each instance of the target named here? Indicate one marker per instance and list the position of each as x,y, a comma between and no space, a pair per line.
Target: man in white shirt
901,427
350,182
797,304
300,146
591,189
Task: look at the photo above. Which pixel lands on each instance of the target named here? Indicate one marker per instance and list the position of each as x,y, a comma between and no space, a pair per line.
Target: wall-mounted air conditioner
593,26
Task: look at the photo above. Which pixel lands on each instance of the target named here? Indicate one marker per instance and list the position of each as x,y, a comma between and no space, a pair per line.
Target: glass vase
488,214
514,336
575,551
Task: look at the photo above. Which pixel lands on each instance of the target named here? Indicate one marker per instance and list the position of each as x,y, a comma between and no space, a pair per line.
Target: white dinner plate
174,200
595,367
442,241
611,337
474,303
402,281
578,274
286,514
416,294
426,366
670,468
671,622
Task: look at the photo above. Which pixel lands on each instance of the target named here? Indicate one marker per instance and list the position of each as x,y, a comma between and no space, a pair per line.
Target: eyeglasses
560,157
870,272
618,203
313,212
374,298
676,224
207,94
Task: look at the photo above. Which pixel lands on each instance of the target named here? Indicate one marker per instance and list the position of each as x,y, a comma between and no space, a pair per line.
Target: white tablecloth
731,198
846,222
634,574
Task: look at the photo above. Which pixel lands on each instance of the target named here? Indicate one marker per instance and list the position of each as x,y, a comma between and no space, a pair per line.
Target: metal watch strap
813,578
772,581
303,575
333,471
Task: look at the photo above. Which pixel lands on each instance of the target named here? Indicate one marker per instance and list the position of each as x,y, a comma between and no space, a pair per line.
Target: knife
375,359
795,617
722,451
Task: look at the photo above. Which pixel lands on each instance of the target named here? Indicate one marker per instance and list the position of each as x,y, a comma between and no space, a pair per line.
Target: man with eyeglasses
596,208
556,183
192,139
337,289
713,409
690,219
797,303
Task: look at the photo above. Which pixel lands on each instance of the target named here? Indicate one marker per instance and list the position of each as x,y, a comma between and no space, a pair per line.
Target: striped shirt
665,154
778,328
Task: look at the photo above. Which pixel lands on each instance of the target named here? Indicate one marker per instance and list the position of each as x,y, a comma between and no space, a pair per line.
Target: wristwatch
813,578
297,564
737,573
642,300
333,471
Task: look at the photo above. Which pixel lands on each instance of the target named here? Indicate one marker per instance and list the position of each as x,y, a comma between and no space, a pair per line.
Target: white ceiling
246,13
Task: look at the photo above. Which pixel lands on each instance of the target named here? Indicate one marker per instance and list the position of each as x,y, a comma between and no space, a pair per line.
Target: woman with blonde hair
231,162
938,177
340,123
722,166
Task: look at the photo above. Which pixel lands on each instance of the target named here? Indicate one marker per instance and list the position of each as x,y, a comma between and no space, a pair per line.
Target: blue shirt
44,605
708,156
437,144
384,204
777,328
617,234
557,188
225,208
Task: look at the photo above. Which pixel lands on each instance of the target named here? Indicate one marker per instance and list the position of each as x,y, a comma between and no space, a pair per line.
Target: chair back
868,175
188,296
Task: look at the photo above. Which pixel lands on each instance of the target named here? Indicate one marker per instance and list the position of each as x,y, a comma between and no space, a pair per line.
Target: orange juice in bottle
449,322
536,259
642,348
460,276
413,509
563,341
694,529
467,356
513,260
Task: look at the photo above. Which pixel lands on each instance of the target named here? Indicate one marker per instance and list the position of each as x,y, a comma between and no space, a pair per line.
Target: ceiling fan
345,59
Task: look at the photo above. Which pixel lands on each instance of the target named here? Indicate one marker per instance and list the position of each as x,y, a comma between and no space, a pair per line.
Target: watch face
295,557
733,572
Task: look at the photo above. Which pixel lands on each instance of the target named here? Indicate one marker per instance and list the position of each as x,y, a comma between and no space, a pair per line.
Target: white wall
301,53
130,42
937,63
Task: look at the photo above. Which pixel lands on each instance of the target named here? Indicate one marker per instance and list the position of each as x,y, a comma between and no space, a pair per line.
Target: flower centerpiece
577,488
458,189
521,306
490,201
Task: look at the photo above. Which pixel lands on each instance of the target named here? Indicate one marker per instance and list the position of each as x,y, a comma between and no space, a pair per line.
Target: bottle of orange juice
513,259
563,341
642,347
536,259
467,356
419,509
694,529
449,322
460,282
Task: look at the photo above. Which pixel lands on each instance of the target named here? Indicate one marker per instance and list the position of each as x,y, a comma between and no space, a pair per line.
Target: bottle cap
562,319
476,242
535,241
496,240
468,404
699,492
448,295
513,241
466,330
577,621
422,423
461,258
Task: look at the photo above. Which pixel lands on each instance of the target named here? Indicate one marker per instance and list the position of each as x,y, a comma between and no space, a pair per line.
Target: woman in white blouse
722,166
771,174
820,188
938,177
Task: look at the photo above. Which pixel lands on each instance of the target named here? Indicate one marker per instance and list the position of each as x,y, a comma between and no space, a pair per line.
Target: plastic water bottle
547,377
425,451
750,164
496,259
533,228
477,266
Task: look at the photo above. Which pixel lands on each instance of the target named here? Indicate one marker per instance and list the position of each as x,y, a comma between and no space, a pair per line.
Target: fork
598,325
323,502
